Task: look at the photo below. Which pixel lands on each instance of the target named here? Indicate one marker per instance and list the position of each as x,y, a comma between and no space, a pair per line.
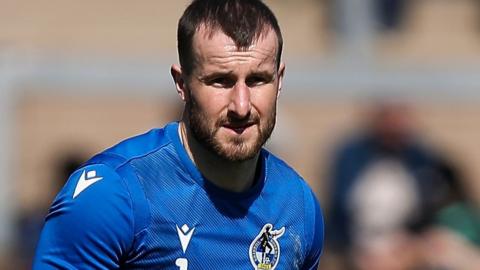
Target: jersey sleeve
314,228
90,224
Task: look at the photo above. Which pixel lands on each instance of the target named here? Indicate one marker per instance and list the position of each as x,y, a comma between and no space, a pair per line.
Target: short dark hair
244,21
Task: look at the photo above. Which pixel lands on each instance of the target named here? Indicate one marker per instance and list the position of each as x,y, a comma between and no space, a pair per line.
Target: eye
221,82
257,80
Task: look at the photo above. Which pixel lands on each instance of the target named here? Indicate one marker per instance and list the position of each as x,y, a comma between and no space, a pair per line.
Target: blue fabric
132,217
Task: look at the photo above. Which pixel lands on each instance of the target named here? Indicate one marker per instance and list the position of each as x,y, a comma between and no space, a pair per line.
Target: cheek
211,104
264,101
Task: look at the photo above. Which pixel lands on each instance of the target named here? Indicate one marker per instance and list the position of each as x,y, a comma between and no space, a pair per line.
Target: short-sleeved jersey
143,204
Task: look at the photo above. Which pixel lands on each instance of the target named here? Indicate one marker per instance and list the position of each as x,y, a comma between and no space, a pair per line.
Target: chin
238,151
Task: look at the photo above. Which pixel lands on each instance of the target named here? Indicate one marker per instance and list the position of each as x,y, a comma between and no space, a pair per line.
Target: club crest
265,249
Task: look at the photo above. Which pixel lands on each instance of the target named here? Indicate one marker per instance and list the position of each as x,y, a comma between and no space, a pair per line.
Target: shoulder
102,208
115,166
276,165
94,194
91,221
289,183
134,147
278,170
107,179
299,193
106,191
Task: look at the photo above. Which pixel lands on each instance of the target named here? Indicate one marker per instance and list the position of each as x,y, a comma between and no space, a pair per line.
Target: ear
281,73
179,80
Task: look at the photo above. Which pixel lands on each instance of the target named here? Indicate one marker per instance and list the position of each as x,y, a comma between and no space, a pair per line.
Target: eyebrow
215,74
264,73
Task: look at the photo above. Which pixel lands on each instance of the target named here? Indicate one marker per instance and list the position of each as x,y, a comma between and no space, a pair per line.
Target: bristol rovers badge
265,249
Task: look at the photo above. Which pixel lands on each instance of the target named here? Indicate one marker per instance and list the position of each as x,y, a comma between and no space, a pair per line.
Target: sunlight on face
233,93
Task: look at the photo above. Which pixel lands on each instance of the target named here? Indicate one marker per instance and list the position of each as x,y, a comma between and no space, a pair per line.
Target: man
200,193
385,186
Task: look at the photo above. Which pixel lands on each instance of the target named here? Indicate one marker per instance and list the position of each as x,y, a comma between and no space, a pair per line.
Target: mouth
238,128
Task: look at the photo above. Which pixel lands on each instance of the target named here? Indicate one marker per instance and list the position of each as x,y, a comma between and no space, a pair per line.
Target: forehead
215,47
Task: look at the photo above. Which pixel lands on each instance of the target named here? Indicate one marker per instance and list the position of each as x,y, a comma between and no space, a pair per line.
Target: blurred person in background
452,240
383,187
200,193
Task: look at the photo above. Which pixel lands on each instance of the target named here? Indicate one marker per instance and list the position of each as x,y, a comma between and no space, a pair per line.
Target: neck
231,176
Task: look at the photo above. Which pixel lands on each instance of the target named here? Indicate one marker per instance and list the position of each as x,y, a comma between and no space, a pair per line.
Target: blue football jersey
143,204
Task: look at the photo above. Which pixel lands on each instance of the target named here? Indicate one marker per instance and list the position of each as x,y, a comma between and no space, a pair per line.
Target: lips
238,128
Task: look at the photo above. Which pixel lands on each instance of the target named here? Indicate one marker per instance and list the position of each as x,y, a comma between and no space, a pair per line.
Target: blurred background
379,112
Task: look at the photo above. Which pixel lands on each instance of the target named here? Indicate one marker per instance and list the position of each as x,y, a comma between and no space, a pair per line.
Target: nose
240,104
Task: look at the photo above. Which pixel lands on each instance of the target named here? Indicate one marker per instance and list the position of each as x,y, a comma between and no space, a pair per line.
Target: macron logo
85,182
185,234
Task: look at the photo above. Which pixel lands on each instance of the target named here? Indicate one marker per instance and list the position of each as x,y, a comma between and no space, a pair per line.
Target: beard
235,149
